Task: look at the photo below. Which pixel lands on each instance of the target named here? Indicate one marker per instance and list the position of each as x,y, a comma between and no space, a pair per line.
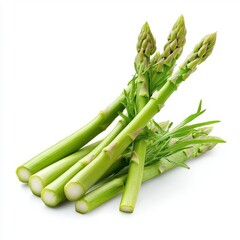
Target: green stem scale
93,172
108,190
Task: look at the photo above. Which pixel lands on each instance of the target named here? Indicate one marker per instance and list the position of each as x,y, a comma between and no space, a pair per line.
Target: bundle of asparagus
138,148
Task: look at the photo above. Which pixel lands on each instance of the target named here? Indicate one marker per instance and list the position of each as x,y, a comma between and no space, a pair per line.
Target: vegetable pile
138,148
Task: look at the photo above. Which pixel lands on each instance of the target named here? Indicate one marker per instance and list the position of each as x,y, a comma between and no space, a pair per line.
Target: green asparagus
91,173
137,149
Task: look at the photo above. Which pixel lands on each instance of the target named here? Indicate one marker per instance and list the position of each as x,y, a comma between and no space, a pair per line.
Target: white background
63,61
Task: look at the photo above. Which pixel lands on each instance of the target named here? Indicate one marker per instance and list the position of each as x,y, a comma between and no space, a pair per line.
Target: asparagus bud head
146,46
199,54
172,49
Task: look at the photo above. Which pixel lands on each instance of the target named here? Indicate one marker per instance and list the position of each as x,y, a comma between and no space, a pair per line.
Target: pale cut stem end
49,198
126,208
23,174
36,185
73,191
81,207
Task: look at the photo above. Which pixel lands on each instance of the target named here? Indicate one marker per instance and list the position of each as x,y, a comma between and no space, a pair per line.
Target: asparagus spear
162,67
116,186
90,174
145,40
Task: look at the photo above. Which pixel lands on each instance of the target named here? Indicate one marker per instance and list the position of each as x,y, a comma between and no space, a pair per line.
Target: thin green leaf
199,106
183,144
185,130
189,119
199,125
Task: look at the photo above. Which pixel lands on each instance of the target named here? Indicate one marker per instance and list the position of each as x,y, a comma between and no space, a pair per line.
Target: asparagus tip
200,53
146,25
146,46
23,174
180,20
73,191
206,46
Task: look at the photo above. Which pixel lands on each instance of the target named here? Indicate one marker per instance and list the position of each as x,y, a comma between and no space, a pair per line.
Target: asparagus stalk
47,175
73,142
146,42
162,66
134,177
116,186
91,174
